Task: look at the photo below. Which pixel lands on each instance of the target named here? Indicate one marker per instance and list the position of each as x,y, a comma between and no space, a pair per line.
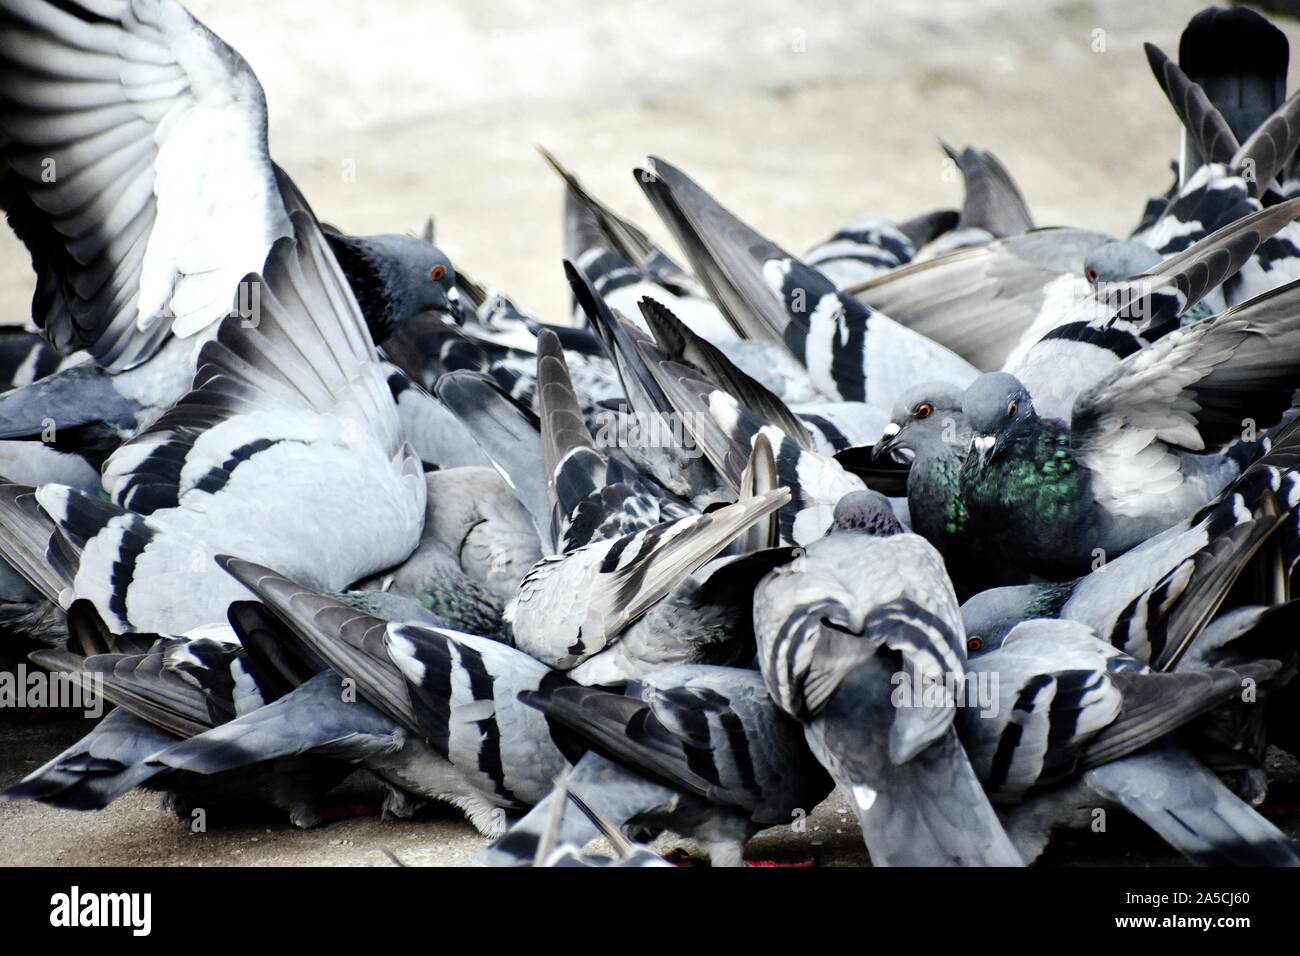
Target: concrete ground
802,116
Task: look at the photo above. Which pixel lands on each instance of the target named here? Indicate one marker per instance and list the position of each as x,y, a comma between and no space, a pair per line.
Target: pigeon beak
887,443
983,446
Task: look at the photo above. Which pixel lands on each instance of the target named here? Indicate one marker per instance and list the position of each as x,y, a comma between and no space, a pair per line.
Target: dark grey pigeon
835,628
700,751
100,767
1133,457
169,691
929,428
26,357
1153,602
1240,61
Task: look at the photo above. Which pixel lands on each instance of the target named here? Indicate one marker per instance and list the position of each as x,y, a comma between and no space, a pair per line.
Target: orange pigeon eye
1092,274
924,410
437,273
974,644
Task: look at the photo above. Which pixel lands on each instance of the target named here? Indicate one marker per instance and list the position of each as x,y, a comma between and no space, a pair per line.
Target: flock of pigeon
989,526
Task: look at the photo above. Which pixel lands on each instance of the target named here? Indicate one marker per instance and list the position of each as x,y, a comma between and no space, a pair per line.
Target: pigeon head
1118,260
996,405
926,421
990,615
865,512
395,278
424,272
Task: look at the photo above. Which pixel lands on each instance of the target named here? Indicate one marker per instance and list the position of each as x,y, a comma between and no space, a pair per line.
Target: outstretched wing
134,168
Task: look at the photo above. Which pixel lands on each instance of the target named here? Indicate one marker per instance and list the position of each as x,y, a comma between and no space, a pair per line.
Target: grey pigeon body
1069,706
834,627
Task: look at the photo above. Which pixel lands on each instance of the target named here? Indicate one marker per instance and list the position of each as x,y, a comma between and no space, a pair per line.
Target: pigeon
1119,261
1241,162
1028,304
864,611
1109,322
615,546
993,208
469,740
625,267
825,426
1076,722
477,544
624,264
393,277
861,251
298,393
135,170
698,750
1132,459
1153,601
26,357
1239,60
170,692
97,769
851,352
594,497
728,432
929,428
980,301
1158,602
617,608
435,434
651,438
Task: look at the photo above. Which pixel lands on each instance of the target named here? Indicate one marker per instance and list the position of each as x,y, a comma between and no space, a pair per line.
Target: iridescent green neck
934,497
1033,489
